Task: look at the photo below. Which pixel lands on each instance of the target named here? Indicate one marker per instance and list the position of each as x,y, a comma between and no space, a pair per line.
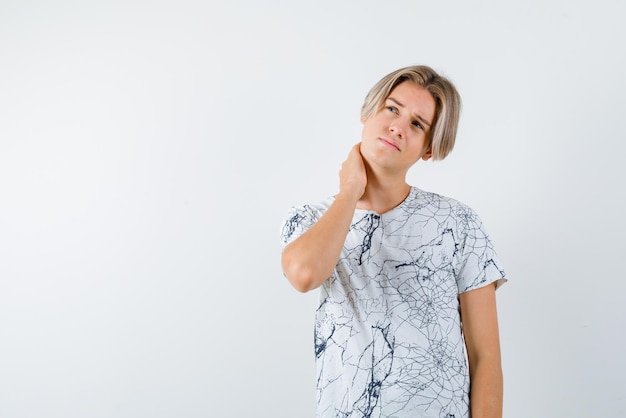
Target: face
398,135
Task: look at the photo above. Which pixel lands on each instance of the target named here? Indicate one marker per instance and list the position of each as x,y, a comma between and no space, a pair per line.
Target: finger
358,147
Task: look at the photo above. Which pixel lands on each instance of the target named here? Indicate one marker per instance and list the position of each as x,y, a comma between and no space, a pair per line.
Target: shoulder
439,204
299,218
312,210
442,212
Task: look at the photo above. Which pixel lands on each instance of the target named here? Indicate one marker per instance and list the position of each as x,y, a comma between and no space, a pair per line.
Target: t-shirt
388,338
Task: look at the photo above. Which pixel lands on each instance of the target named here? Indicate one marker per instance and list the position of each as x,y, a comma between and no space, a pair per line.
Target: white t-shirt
388,339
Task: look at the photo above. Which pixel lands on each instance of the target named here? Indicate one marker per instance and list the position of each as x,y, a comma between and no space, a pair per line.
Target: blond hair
447,101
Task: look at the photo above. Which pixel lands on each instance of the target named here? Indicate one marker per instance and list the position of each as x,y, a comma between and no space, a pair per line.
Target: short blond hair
447,101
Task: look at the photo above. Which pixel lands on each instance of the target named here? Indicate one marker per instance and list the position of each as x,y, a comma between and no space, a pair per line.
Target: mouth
389,144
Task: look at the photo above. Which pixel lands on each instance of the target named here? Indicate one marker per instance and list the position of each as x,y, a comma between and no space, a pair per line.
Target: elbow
301,277
302,286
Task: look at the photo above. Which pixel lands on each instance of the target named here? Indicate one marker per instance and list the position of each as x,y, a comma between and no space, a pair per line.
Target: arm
310,259
480,327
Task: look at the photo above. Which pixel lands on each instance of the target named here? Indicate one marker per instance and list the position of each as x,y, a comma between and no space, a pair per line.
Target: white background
149,151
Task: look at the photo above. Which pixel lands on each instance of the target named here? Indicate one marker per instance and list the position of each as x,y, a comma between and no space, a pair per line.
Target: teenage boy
398,268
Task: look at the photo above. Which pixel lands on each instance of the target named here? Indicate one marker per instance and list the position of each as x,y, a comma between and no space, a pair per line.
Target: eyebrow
416,115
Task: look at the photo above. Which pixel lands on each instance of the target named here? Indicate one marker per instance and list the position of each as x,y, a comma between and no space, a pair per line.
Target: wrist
350,197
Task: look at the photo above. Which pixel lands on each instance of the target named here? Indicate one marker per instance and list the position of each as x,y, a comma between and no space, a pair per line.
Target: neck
383,193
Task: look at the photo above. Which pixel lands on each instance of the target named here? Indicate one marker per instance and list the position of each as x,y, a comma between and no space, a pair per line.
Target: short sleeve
477,264
297,222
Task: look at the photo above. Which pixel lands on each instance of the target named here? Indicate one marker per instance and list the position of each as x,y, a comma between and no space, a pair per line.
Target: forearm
480,327
309,260
486,388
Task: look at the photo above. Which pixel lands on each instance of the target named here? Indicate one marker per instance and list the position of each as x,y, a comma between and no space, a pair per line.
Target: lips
390,144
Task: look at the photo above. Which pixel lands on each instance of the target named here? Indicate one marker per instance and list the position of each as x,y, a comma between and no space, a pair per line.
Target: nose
398,127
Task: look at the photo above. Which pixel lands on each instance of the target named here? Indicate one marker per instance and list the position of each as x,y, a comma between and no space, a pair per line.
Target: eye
392,109
418,125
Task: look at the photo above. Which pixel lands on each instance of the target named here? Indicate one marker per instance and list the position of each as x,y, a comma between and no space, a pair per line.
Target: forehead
415,98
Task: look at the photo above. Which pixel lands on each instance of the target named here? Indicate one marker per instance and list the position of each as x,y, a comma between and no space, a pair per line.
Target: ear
428,154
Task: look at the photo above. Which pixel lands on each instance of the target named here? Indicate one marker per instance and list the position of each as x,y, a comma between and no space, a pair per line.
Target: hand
352,176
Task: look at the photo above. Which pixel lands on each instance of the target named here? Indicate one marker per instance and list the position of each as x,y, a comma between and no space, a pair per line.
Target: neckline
412,192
